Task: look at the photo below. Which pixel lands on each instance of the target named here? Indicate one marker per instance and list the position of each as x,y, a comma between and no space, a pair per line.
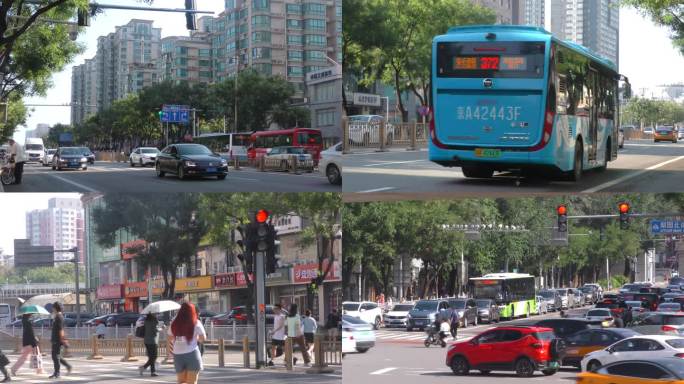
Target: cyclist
18,158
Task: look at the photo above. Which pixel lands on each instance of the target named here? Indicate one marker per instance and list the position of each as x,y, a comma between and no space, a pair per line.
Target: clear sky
647,56
14,208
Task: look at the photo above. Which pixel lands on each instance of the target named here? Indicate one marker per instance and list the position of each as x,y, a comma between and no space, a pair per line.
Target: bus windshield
491,59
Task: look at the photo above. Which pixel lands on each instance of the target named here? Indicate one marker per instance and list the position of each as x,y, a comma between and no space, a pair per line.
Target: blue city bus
514,98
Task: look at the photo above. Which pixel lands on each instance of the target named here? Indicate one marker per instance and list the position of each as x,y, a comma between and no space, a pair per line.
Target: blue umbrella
30,309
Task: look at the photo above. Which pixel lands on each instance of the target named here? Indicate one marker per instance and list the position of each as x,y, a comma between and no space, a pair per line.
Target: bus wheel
576,173
607,156
481,173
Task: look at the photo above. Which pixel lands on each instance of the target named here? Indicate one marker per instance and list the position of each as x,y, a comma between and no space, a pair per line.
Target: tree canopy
668,13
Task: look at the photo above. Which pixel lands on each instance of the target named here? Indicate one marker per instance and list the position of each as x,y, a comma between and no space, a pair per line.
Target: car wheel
132,164
524,367
221,177
593,366
427,343
376,325
157,168
283,165
459,366
333,174
465,323
485,371
409,329
181,172
362,350
53,167
85,168
549,372
141,163
475,321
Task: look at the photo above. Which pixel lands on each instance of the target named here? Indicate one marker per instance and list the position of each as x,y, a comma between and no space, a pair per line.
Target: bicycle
7,173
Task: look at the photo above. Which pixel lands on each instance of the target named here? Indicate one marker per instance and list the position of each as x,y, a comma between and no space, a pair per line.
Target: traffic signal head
83,16
261,216
623,207
190,17
562,212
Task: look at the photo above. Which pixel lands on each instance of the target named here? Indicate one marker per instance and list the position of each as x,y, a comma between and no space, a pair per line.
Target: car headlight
189,163
83,159
224,161
432,315
408,316
461,313
62,161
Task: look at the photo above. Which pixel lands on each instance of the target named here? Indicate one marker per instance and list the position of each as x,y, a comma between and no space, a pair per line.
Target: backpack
140,331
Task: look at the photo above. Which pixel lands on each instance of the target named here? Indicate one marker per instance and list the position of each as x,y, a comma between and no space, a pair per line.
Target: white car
642,347
284,156
330,164
367,311
348,342
143,156
47,159
669,307
601,314
363,333
398,315
365,129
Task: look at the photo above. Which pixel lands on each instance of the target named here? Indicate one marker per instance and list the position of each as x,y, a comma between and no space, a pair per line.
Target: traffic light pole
260,290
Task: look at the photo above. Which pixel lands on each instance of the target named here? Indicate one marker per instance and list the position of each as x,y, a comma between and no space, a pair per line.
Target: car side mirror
610,350
474,342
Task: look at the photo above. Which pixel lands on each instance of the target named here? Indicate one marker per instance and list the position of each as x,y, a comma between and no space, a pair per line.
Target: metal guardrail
364,136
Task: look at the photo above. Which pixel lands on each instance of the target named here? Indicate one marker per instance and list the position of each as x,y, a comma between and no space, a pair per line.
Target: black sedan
122,319
187,160
88,154
69,157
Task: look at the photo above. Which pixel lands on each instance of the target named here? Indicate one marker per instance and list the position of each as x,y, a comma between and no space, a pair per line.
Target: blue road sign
175,116
667,226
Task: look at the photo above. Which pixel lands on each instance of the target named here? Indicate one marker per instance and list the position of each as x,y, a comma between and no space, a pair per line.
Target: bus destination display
492,63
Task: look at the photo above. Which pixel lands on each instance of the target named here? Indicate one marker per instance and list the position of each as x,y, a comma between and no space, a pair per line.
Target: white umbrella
161,306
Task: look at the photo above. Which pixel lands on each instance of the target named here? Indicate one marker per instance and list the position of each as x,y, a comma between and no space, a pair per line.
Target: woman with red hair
186,330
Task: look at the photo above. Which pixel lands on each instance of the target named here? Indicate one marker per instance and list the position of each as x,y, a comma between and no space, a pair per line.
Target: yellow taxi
662,370
665,133
593,339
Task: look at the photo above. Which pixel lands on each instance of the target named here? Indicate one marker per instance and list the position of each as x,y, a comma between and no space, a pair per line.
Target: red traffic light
261,216
623,207
562,210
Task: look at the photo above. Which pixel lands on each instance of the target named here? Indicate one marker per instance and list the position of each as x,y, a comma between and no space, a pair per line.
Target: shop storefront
109,298
327,295
199,291
135,296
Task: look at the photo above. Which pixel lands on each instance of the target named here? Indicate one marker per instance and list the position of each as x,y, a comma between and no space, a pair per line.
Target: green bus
514,293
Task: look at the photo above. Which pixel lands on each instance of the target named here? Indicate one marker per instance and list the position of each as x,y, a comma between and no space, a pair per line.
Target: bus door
592,82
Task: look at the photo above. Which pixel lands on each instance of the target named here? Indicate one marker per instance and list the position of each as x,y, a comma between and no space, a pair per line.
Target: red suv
508,348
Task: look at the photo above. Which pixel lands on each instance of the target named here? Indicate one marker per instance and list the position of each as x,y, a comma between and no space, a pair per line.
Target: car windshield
545,336
670,307
34,147
71,152
562,292
458,304
674,320
633,304
350,307
402,307
352,319
51,151
483,303
359,119
587,289
426,306
676,343
85,150
149,150
629,287
193,149
295,150
546,294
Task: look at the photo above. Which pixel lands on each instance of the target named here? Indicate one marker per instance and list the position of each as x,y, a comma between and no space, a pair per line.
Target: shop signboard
304,273
157,286
280,277
192,284
137,289
110,291
130,249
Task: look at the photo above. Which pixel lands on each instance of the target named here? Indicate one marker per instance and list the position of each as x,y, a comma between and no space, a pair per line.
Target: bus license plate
487,152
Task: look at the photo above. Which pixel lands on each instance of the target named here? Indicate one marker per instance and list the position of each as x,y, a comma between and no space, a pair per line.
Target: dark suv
563,327
507,348
425,312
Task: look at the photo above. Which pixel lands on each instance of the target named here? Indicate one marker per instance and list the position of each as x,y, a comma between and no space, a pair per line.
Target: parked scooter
433,337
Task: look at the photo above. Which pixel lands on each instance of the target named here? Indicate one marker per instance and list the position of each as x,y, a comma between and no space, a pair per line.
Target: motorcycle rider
444,330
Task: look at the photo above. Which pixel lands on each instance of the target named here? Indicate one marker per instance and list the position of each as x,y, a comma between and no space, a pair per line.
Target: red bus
308,138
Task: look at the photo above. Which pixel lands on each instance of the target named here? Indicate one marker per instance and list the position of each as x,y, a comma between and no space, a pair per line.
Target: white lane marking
382,371
394,162
377,190
630,176
73,183
405,172
241,178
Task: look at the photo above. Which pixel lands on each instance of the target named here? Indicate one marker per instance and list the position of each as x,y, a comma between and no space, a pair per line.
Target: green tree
668,13
168,223
16,116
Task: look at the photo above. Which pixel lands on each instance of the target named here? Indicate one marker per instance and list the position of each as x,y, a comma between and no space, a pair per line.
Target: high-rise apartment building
185,58
84,90
594,24
532,12
59,226
506,10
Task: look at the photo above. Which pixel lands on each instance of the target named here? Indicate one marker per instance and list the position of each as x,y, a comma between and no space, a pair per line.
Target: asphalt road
642,166
120,177
400,357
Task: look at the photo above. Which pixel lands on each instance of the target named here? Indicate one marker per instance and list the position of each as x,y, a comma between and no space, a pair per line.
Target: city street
111,370
642,166
401,357
120,177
